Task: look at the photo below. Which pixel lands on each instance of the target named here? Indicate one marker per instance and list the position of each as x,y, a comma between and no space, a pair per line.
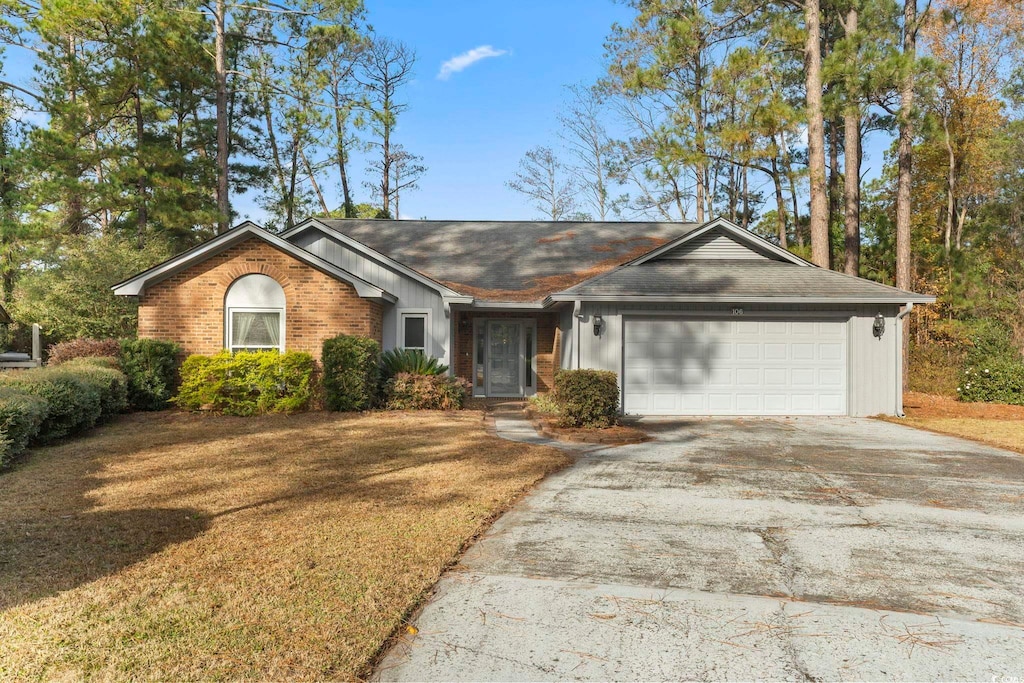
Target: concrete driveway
737,549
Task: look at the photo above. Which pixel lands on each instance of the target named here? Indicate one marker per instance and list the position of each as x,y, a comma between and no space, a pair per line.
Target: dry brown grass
994,424
175,546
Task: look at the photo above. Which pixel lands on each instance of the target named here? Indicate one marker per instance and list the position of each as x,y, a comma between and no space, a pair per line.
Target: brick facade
548,352
188,308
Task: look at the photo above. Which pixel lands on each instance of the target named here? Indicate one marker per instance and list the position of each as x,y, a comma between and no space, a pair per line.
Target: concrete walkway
810,549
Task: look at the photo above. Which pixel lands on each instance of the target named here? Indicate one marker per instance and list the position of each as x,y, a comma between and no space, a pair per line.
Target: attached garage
770,366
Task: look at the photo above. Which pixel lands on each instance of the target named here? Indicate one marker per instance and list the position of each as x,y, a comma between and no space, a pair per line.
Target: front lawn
177,546
995,424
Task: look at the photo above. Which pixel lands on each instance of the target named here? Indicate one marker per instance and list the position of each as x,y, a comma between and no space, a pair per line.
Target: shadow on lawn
52,539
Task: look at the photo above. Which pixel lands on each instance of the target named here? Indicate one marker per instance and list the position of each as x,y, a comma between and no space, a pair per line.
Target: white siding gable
713,245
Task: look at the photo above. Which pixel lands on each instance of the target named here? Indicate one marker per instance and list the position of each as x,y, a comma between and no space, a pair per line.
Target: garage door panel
739,367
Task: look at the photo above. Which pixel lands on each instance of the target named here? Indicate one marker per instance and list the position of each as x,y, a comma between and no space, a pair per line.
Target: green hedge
1000,380
103,373
45,404
152,368
247,383
587,398
406,391
351,377
74,402
21,415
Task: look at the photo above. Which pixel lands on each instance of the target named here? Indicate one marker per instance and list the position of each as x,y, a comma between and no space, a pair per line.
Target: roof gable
244,231
368,252
720,239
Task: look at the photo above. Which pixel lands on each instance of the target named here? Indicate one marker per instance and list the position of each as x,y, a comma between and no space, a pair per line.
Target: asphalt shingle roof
726,279
509,261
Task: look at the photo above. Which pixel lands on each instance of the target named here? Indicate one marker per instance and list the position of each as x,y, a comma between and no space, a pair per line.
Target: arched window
254,314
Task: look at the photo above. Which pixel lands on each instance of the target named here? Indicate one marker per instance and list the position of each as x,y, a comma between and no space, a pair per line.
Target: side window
414,331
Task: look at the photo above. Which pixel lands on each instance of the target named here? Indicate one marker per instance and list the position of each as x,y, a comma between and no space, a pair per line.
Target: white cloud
467,59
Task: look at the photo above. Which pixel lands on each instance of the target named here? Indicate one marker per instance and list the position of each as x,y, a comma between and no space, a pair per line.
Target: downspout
899,357
577,323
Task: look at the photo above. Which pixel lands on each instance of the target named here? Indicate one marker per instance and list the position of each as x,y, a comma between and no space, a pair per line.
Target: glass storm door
504,359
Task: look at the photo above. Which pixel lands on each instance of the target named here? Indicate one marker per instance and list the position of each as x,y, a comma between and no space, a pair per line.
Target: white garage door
734,367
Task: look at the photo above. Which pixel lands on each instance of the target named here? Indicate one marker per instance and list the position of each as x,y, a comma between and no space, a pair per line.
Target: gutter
899,355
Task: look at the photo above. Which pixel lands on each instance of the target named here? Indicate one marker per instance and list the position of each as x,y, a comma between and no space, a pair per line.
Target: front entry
505,357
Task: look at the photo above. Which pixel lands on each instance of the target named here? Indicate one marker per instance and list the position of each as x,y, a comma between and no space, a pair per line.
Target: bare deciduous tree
545,181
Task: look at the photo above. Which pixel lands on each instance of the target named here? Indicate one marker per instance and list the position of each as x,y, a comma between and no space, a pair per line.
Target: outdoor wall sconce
878,329
598,325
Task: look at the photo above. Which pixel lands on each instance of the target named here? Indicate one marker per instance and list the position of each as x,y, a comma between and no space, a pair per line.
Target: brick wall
188,308
549,344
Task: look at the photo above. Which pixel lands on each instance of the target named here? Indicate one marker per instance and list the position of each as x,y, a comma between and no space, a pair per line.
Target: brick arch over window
188,307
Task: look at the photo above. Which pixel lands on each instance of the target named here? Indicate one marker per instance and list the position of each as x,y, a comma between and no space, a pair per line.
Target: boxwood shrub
152,369
247,383
587,398
351,378
74,401
103,373
408,391
21,415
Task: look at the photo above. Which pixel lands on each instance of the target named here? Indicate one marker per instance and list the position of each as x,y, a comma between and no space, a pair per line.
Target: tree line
143,120
759,111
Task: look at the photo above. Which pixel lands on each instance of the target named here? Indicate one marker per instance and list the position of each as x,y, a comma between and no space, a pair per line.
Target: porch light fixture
878,329
598,325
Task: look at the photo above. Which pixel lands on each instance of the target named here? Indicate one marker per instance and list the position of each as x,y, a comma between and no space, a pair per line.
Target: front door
504,358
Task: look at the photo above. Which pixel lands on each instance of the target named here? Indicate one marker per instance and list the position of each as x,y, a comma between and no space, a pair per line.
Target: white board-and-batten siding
872,363
412,295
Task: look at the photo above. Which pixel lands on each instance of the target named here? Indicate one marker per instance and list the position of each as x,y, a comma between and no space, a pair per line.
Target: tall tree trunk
746,199
316,185
341,153
220,68
947,232
780,203
851,155
834,198
816,135
290,198
140,187
905,157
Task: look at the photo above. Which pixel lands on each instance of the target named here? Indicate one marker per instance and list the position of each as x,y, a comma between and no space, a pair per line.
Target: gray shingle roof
509,260
734,281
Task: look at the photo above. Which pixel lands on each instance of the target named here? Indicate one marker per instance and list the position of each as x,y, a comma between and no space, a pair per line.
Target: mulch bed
616,435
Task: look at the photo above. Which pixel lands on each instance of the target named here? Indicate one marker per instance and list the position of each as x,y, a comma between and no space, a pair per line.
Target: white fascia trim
745,299
730,227
136,285
373,254
504,305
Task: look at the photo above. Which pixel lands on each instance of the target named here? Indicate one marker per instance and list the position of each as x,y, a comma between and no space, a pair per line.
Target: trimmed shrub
587,398
83,347
21,415
407,391
999,381
74,402
247,383
351,372
112,383
409,361
151,366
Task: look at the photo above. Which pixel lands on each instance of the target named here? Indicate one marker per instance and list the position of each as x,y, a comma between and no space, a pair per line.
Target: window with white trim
414,331
254,312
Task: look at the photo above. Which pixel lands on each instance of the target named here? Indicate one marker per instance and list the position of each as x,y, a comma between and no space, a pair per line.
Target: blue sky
473,127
